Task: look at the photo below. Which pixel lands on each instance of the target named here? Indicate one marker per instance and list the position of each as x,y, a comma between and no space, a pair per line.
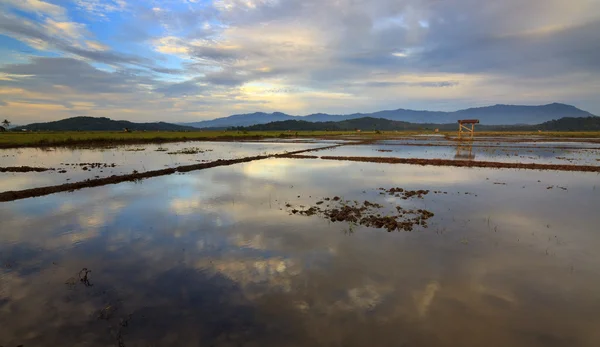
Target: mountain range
489,115
101,124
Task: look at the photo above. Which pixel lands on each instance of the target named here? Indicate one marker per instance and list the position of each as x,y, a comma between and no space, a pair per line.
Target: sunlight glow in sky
189,60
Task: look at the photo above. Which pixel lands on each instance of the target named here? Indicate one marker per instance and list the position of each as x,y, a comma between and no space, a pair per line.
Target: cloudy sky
186,60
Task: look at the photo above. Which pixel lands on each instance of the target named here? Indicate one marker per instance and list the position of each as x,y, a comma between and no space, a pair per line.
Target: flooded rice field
507,154
87,163
301,252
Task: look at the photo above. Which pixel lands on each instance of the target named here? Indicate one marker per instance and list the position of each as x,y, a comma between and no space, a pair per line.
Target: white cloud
100,8
39,7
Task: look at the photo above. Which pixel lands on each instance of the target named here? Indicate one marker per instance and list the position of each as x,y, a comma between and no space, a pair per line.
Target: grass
104,138
73,138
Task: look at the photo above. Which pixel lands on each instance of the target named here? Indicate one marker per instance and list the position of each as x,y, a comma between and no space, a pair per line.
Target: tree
6,123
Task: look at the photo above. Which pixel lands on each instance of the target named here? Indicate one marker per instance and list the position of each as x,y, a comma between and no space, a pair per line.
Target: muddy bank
133,177
24,169
469,163
299,156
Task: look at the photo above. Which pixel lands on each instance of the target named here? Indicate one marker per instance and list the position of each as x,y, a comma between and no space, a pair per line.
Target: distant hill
572,124
491,115
365,123
101,124
370,123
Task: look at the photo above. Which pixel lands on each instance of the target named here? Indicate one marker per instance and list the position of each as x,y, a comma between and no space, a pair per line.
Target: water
215,258
557,154
125,159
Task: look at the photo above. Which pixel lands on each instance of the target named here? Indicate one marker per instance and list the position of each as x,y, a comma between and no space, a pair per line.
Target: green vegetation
381,124
105,138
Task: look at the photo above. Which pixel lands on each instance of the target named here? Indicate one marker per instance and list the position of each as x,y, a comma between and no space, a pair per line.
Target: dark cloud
215,54
228,78
180,89
44,73
441,84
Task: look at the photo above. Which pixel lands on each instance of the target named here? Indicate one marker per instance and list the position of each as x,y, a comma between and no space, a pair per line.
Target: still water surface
214,258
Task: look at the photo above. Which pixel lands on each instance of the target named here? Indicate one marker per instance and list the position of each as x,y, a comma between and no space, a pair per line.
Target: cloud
63,36
180,89
38,7
339,56
100,8
75,74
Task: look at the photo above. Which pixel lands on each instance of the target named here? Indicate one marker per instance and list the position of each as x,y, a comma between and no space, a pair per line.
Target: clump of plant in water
161,149
190,150
370,214
404,194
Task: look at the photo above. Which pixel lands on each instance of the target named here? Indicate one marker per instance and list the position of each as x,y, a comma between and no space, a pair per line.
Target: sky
191,60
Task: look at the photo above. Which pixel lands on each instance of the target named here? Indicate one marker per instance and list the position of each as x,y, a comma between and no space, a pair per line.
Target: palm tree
6,123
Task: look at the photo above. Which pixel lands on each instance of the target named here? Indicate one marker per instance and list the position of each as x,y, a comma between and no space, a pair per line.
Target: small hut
463,128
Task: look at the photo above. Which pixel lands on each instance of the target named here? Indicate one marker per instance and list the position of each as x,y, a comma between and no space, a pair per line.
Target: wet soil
404,194
469,163
91,165
299,156
24,169
191,150
370,214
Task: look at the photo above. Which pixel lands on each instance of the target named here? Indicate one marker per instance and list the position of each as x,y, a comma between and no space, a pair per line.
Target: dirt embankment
468,163
135,176
24,169
298,156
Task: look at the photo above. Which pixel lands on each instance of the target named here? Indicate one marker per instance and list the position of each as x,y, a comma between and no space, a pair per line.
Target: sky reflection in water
213,258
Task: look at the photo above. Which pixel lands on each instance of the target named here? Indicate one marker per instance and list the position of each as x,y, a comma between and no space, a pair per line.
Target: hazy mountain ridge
491,115
101,124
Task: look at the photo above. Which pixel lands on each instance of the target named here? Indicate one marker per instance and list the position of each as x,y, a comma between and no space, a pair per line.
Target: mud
133,177
191,150
91,165
298,156
469,163
370,214
24,169
404,194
